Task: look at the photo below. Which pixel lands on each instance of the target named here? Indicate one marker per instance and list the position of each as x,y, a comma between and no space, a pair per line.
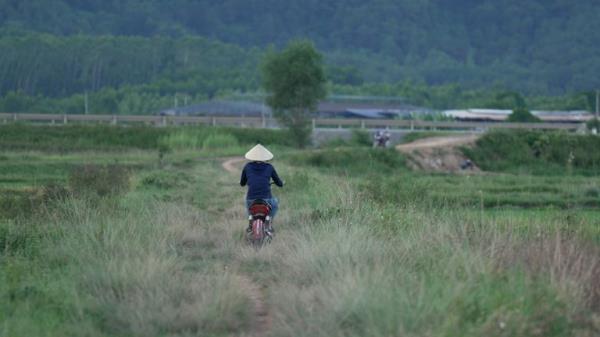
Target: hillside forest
141,56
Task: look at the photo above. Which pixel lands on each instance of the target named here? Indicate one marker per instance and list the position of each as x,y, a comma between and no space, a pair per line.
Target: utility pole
597,103
86,102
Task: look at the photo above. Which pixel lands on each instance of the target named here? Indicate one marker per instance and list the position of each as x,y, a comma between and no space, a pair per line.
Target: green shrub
522,115
165,179
78,137
16,204
593,124
335,142
100,180
219,141
183,139
360,138
17,238
53,192
539,152
593,192
402,189
352,160
64,138
246,136
413,136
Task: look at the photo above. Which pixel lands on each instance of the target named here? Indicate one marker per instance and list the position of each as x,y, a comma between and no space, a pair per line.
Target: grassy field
364,246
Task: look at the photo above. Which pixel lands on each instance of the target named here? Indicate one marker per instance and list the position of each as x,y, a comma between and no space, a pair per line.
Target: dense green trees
435,53
522,115
57,66
537,46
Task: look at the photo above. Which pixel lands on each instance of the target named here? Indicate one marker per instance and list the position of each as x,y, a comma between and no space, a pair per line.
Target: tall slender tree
295,80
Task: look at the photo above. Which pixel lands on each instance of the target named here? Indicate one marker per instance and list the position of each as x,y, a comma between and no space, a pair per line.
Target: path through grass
167,258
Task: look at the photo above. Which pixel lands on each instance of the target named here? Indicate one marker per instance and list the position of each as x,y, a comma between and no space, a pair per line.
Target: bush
64,138
246,136
165,179
97,180
53,192
183,139
540,152
78,137
219,141
354,160
360,138
16,204
593,124
522,115
24,204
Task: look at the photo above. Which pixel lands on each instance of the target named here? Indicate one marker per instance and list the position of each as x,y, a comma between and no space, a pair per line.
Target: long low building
325,109
496,115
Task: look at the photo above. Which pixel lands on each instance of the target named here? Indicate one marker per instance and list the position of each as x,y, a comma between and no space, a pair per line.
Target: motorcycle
260,223
381,139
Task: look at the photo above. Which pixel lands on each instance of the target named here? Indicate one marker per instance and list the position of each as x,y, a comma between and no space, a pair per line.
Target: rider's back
257,175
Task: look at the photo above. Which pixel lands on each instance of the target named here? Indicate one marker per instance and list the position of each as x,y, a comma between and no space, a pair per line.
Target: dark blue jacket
258,177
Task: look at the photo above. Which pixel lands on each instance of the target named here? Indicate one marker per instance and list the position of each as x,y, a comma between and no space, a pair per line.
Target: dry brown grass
149,268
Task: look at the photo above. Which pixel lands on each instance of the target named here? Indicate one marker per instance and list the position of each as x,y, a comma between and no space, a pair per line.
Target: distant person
467,165
386,138
381,139
257,174
377,138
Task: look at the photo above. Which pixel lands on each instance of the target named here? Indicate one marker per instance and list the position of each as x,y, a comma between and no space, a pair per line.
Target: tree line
48,65
535,46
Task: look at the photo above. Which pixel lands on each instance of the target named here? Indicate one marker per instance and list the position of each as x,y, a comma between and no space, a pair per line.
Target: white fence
258,122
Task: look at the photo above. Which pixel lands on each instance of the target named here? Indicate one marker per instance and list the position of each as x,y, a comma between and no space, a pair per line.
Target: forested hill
538,46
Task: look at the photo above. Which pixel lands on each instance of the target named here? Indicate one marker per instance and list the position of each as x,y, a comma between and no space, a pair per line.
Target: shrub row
351,160
539,152
66,138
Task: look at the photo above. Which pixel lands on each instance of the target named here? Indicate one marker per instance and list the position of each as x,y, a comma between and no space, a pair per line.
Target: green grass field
364,246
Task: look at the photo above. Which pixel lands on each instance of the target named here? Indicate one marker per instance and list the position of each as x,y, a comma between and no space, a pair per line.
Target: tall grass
351,257
117,267
363,269
107,137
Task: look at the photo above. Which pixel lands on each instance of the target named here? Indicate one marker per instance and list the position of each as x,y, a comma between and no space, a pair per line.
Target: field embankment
438,154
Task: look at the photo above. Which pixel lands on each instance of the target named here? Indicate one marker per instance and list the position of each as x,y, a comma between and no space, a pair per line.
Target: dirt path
261,318
231,164
438,154
433,142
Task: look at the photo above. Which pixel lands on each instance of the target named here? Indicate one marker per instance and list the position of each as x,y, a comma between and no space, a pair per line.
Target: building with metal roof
220,108
325,109
496,115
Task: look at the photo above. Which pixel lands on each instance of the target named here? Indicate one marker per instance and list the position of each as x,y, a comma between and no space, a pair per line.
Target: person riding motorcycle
257,174
381,138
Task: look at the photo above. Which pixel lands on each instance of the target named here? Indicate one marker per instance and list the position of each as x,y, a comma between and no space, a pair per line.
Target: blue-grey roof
370,113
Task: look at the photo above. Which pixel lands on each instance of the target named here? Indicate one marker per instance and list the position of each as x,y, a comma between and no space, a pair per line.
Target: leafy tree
509,100
593,124
295,80
522,115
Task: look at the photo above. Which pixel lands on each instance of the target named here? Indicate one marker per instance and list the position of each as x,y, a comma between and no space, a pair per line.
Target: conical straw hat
259,153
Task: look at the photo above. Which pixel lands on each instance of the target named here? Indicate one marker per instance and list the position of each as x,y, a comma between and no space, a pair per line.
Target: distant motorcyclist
381,139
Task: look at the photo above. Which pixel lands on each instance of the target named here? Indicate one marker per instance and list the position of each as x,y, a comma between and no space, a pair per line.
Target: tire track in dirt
261,319
231,164
438,154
